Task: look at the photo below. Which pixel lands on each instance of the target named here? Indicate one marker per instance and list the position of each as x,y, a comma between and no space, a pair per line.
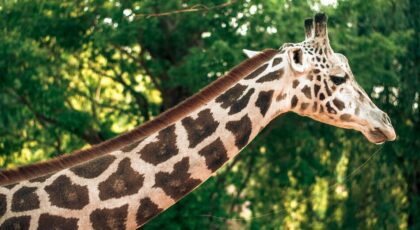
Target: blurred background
74,73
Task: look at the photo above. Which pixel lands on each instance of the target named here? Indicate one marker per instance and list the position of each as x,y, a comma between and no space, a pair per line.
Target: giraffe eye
338,80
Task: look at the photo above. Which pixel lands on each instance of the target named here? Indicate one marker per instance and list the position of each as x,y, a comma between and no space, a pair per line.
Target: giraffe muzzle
385,132
378,136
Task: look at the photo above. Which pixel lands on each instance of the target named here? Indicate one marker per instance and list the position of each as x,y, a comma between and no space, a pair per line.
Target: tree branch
89,136
140,60
140,99
194,8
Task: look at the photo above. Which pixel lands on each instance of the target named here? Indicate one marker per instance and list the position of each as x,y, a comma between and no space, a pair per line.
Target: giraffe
125,182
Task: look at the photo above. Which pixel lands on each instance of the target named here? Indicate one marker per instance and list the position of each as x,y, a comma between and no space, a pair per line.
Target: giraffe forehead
317,49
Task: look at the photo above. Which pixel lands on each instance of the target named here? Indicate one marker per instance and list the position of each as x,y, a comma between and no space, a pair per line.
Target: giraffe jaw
376,135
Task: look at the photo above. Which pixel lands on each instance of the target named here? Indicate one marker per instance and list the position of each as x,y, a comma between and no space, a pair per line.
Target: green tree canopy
75,73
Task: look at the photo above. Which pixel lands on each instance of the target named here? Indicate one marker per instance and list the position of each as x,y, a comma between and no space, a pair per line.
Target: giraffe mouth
379,136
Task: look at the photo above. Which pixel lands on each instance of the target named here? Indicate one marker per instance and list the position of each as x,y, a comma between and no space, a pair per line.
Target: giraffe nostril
386,119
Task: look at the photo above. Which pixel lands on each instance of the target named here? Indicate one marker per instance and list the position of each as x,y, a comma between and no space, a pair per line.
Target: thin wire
330,188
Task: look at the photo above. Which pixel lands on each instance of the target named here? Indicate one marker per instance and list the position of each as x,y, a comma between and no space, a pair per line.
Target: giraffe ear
297,59
250,53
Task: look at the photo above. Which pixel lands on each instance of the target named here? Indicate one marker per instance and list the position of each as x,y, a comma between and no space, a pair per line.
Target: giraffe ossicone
125,182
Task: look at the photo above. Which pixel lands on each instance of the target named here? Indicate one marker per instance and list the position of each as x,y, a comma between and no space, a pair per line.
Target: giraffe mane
160,122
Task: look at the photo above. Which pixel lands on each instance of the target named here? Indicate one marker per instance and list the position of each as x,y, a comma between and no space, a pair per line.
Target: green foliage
74,73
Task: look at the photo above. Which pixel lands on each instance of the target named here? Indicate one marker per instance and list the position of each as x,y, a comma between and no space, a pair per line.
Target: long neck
126,188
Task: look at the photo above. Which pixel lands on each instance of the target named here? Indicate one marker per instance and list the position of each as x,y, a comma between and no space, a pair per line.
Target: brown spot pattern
162,149
275,75
310,77
25,199
281,96
16,223
41,178
314,106
215,154
10,186
241,129
51,222
295,84
330,109
316,89
294,101
104,219
131,146
256,72
240,104
327,88
64,194
346,117
179,182
339,104
231,95
3,204
264,101
304,105
200,128
147,210
277,61
357,111
307,91
125,181
93,168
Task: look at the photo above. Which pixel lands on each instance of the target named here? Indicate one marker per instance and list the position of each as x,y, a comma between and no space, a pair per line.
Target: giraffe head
321,85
